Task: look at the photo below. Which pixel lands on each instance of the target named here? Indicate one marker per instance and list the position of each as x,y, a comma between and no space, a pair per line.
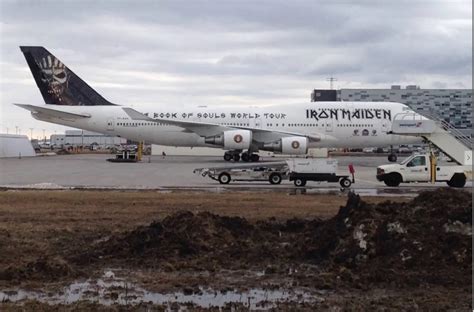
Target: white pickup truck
420,168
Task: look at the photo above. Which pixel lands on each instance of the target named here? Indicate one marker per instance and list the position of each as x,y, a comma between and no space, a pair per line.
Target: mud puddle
111,290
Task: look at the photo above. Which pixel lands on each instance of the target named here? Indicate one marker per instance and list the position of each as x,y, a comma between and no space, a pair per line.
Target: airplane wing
210,129
52,112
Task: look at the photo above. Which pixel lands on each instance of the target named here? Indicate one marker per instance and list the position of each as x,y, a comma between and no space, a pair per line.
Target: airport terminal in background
452,105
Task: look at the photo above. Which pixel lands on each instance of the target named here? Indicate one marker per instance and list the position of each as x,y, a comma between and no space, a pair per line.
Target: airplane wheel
275,178
227,157
236,157
299,182
245,157
392,158
345,183
254,157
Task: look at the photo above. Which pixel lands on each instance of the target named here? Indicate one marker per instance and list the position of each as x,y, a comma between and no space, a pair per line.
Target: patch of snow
458,227
404,254
42,186
396,227
359,236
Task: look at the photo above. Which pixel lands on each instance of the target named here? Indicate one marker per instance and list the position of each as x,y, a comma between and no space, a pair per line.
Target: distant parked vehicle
404,150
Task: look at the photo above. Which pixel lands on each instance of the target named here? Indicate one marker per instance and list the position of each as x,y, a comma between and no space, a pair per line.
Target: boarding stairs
440,133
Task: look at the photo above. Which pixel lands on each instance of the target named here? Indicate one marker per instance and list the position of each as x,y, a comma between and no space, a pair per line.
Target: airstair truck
422,168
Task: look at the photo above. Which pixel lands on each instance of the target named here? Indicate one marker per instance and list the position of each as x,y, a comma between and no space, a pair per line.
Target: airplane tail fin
57,83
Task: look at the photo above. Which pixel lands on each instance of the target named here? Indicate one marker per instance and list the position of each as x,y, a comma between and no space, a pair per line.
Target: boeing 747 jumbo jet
241,131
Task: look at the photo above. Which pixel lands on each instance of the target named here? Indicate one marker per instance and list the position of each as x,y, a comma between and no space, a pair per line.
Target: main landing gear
245,156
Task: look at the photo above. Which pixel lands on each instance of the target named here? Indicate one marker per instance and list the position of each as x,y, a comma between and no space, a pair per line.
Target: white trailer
321,170
273,172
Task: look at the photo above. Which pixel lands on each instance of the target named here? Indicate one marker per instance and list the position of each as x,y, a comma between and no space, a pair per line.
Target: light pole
31,134
44,137
331,81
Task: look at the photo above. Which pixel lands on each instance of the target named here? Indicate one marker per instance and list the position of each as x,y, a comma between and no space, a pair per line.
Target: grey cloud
235,52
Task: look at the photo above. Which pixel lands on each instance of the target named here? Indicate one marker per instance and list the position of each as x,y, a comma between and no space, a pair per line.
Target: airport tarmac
170,172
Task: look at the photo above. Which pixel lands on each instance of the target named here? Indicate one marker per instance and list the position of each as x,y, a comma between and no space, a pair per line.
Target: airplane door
384,125
255,122
328,125
110,124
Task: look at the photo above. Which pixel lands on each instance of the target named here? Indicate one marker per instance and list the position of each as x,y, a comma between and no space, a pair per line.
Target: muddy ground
336,251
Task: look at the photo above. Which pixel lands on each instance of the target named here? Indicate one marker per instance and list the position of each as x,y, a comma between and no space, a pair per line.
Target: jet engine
288,145
232,139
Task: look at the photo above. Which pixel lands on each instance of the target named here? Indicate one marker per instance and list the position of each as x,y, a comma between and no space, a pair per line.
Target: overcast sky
232,52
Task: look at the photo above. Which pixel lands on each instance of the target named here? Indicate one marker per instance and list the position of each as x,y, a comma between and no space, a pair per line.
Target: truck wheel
224,178
458,180
275,178
299,182
236,157
245,157
393,179
345,182
227,156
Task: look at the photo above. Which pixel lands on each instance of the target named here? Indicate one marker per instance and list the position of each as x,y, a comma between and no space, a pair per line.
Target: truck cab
421,168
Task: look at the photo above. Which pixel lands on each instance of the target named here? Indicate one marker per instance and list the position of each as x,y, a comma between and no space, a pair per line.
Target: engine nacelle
232,139
289,145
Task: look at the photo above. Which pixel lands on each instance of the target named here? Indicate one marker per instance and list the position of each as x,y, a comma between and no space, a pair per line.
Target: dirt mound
425,240
44,268
204,237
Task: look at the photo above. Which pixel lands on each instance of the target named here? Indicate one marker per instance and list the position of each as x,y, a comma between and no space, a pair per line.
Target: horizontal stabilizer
52,112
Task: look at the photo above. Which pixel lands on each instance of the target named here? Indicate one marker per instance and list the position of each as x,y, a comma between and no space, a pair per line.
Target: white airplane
242,131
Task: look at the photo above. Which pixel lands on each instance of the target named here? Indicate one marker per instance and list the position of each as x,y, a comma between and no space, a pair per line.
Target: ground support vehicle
273,172
321,170
422,168
299,170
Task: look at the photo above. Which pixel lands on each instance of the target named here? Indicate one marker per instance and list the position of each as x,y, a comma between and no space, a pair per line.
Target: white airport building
13,145
85,138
